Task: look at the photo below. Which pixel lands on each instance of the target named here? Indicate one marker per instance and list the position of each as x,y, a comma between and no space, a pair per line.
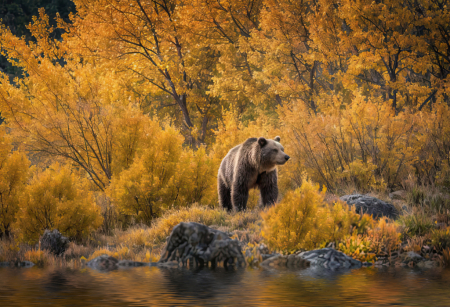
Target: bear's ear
277,139
262,141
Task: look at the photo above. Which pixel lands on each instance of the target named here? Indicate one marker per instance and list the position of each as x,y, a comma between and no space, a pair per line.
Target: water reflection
201,283
180,287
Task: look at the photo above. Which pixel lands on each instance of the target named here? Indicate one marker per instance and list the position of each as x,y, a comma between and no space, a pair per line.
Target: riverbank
415,238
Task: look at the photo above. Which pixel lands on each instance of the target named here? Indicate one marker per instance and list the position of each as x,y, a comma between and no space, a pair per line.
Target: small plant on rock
358,247
440,239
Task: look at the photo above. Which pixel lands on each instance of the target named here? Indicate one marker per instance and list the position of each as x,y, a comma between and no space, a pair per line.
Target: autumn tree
14,168
152,42
68,110
433,31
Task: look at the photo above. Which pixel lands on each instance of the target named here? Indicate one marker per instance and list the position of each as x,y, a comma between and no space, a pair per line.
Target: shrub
359,247
302,220
385,237
58,198
341,220
417,224
362,143
440,239
165,176
297,221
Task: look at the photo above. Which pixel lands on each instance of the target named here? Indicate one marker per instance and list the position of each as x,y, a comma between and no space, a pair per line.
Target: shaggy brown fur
250,165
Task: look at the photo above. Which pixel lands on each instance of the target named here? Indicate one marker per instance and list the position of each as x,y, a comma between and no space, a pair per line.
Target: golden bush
57,198
297,221
303,220
385,237
165,176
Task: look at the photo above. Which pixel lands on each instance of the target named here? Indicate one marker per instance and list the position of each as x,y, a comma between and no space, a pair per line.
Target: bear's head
272,153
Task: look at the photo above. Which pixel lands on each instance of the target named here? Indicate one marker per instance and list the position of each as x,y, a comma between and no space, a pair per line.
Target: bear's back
227,166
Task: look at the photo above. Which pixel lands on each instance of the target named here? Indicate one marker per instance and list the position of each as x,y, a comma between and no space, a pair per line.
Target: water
150,286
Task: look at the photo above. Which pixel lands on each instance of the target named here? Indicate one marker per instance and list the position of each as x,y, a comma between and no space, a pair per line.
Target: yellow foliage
364,143
164,176
302,220
359,247
385,237
57,198
14,172
297,220
99,252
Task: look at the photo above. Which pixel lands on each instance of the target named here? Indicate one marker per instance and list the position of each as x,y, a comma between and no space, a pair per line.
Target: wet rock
104,263
279,262
263,249
327,258
17,264
370,205
199,244
267,256
23,264
129,263
411,258
54,242
330,258
109,263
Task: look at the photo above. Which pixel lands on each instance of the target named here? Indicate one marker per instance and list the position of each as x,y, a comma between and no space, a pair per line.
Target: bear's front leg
268,188
239,196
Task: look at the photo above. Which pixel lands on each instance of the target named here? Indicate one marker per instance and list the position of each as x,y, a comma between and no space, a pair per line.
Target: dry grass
140,242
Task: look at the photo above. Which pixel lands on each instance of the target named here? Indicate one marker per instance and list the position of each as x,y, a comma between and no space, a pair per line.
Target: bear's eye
275,150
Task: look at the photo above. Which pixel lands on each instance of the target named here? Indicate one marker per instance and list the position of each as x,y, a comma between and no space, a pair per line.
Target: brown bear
252,164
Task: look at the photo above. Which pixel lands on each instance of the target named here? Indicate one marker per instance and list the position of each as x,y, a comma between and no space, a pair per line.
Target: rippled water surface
151,286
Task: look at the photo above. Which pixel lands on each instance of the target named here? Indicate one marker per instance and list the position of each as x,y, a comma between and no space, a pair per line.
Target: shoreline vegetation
114,121
380,242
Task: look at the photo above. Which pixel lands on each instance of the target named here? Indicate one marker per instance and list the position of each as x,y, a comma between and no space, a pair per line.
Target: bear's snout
287,157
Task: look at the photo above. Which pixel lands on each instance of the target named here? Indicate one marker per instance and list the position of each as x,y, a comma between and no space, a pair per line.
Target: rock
267,256
326,258
109,263
104,263
370,205
400,195
411,258
54,242
17,264
263,249
200,244
129,263
23,264
330,258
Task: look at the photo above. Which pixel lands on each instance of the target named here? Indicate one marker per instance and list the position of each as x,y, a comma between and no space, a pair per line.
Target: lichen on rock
201,245
370,205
